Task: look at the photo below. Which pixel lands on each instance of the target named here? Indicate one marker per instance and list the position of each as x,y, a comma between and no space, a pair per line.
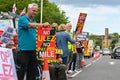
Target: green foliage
113,44
51,12
97,40
7,5
115,38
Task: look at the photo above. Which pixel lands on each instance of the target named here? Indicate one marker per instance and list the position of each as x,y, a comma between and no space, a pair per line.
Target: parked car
116,52
106,51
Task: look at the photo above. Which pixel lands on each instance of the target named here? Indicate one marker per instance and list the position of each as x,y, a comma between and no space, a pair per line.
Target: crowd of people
23,44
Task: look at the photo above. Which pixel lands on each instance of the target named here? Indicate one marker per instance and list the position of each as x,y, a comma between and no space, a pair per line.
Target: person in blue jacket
62,39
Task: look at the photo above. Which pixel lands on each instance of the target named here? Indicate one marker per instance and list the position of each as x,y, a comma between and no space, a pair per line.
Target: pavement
88,62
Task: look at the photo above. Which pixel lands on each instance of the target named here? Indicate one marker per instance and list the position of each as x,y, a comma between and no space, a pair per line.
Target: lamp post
41,11
60,6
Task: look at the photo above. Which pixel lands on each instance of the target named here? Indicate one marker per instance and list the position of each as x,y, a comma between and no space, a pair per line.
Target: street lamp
41,11
60,6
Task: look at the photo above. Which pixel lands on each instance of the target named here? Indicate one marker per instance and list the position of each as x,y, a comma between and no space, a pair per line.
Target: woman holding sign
62,39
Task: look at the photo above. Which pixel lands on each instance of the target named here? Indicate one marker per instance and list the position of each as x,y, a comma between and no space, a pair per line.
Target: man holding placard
26,59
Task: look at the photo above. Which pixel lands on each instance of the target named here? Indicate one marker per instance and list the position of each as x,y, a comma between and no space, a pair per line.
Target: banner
6,23
7,35
80,23
6,30
83,36
7,65
46,43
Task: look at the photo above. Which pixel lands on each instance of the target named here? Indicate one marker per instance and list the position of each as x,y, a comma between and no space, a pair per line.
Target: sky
101,14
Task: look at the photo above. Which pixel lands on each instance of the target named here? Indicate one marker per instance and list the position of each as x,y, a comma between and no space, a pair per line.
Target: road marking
92,62
96,59
88,64
112,63
85,66
75,73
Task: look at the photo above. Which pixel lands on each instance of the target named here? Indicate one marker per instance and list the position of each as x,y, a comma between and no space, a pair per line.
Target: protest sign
80,23
7,66
46,43
6,31
7,35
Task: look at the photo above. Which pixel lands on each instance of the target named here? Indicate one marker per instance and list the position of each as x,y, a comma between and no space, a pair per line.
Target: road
104,68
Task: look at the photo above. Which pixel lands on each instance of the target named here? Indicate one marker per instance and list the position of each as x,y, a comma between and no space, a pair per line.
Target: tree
115,38
51,12
97,40
7,5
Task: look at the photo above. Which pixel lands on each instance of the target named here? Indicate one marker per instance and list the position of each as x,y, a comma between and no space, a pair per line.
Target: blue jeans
64,59
79,59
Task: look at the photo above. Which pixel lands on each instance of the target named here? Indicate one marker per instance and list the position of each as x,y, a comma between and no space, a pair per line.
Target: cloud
87,2
100,14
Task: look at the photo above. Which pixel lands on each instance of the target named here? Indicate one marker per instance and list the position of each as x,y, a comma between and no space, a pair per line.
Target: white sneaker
75,71
70,71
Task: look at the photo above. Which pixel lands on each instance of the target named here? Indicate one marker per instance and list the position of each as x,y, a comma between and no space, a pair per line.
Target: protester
26,59
55,25
15,45
15,40
79,48
70,46
10,44
71,53
57,70
62,39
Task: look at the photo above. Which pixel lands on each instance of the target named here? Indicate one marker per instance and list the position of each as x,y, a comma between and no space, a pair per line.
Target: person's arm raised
35,25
